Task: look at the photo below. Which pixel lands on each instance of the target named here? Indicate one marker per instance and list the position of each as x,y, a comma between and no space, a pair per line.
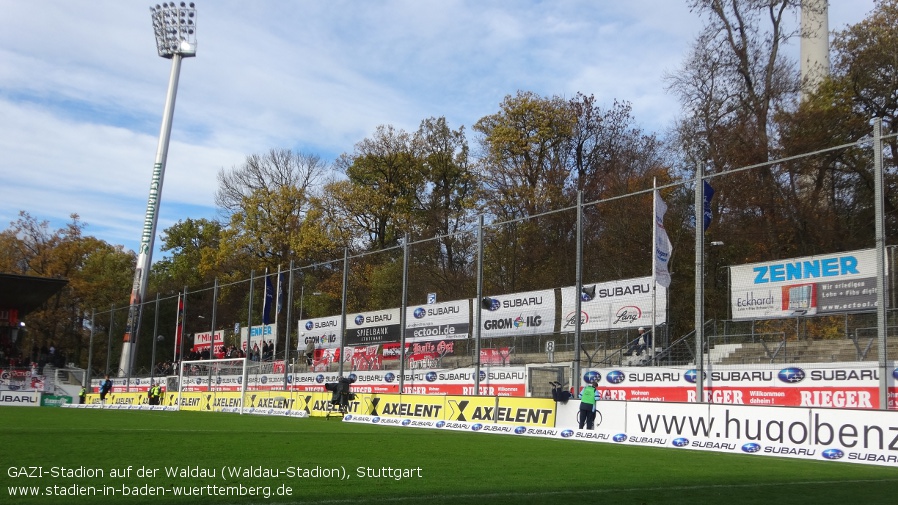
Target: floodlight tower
175,28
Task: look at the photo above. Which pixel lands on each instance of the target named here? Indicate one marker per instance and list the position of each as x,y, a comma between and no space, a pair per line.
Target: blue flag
269,297
709,194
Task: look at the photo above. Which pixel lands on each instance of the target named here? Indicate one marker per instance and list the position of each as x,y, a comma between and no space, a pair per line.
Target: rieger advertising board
847,385
530,313
838,282
618,304
438,321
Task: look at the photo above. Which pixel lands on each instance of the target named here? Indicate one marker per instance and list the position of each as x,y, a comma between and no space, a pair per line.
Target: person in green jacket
588,398
155,393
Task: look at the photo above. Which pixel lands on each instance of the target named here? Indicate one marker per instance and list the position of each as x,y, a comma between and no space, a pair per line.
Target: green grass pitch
45,449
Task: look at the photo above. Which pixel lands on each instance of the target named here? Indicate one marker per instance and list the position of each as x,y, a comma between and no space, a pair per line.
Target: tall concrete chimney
814,50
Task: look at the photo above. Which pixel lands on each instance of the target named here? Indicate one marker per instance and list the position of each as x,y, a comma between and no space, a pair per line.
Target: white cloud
82,89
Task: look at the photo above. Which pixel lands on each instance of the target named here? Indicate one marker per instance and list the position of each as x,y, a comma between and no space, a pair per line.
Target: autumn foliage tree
98,273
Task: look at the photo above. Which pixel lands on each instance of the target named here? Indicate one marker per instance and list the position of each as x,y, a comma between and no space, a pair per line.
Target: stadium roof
25,293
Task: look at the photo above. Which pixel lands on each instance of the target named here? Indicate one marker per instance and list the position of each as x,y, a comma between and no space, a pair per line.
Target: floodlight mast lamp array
175,28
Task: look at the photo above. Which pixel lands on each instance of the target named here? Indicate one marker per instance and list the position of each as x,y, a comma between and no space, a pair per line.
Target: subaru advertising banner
324,332
613,305
838,282
123,384
530,313
373,327
494,381
842,385
12,398
438,321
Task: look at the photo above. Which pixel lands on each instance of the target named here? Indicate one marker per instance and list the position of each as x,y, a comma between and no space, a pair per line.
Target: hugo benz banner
838,282
438,321
324,332
530,313
373,327
617,304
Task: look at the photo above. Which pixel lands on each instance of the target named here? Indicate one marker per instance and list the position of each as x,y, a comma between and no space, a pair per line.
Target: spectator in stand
641,343
254,355
310,354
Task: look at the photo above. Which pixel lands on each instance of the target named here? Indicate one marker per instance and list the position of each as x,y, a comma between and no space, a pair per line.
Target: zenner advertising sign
838,282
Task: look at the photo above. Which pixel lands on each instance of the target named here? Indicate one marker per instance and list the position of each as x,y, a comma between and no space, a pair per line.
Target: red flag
178,326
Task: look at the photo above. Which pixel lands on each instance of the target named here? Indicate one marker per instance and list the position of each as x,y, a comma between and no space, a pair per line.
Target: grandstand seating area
805,351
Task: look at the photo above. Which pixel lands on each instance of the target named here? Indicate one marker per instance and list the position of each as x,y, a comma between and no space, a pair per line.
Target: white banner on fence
19,398
618,304
258,334
438,321
838,282
530,313
373,327
22,380
324,332
201,341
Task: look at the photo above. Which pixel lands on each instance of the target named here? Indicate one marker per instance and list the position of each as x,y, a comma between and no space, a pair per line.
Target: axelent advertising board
838,282
323,331
373,327
618,304
530,313
438,321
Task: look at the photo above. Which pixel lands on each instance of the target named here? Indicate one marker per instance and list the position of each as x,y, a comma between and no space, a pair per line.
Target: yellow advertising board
514,410
526,411
470,408
429,407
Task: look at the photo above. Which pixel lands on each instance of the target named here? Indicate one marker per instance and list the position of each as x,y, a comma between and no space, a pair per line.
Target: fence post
882,329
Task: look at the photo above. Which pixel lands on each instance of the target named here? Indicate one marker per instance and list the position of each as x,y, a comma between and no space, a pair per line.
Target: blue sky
82,88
